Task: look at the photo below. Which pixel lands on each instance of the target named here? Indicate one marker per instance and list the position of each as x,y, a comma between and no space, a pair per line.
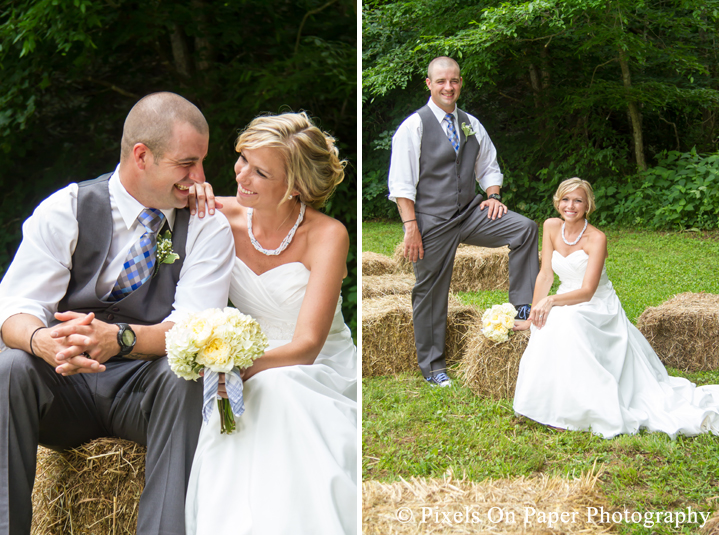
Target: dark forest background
70,70
623,93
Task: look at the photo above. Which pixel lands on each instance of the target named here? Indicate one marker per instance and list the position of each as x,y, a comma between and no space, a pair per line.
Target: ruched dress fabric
589,368
291,466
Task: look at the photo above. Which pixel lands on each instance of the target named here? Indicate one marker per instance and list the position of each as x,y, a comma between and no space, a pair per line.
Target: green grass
411,430
646,268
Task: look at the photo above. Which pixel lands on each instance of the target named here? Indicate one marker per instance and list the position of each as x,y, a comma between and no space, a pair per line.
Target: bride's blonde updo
312,163
570,185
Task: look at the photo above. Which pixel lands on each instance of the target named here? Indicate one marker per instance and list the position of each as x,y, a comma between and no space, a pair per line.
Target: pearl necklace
578,237
285,242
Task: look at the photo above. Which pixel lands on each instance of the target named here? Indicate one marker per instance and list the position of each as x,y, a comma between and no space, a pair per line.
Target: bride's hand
540,312
521,325
247,373
221,390
202,196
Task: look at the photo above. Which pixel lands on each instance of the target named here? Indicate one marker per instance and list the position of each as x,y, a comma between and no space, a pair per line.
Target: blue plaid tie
451,132
140,260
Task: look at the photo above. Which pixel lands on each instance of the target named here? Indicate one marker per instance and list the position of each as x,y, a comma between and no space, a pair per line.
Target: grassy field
411,430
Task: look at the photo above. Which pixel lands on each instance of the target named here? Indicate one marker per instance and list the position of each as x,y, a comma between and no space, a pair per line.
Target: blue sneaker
439,379
523,312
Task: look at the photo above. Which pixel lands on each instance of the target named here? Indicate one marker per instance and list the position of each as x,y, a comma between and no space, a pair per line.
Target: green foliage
682,192
674,262
70,70
374,197
545,78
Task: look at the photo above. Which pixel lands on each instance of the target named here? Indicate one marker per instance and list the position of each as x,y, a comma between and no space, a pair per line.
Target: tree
71,70
591,88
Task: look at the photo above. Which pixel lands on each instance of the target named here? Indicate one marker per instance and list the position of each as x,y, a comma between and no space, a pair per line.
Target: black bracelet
33,336
408,221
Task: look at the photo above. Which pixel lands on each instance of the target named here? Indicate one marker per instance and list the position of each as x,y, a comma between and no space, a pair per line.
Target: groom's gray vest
446,179
152,302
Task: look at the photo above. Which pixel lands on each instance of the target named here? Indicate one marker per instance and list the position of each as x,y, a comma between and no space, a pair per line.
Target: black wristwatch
125,338
495,196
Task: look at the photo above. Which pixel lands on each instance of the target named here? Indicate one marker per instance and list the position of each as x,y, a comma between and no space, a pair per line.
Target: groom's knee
527,229
173,388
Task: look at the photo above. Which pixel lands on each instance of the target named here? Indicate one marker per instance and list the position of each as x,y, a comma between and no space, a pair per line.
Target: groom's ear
141,155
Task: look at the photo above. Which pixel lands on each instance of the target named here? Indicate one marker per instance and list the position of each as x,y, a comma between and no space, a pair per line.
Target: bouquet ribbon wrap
233,385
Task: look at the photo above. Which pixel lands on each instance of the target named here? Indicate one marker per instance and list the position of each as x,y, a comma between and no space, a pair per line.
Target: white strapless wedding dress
590,368
291,466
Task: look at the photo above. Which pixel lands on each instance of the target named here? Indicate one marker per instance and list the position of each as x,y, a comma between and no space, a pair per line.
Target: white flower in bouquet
203,324
218,341
497,322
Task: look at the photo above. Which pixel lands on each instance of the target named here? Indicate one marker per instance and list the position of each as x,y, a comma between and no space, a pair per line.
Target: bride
586,367
290,467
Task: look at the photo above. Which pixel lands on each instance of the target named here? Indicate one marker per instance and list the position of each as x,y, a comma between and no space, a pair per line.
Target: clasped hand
79,344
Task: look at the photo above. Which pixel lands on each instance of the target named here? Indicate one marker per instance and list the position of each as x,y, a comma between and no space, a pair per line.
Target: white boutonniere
165,254
467,130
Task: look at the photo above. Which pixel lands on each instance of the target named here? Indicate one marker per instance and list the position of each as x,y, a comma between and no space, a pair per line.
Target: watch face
128,337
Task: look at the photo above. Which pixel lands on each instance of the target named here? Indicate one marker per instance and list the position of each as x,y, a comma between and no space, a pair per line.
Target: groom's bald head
152,119
442,62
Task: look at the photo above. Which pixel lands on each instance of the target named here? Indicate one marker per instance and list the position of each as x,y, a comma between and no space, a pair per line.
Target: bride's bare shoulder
325,230
593,233
553,224
597,240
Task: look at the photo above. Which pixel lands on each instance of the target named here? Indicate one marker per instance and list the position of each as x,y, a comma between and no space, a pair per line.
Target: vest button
116,309
110,317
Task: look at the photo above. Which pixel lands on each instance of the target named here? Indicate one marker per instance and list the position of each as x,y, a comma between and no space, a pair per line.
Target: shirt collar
128,206
439,113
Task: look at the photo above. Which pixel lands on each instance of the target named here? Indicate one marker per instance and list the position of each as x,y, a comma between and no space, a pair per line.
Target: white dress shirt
406,144
38,277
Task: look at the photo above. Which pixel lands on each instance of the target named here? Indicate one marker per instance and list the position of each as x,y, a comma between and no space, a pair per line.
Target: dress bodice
571,269
275,297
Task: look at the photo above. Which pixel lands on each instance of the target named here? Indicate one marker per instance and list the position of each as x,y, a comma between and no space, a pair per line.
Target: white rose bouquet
497,322
218,341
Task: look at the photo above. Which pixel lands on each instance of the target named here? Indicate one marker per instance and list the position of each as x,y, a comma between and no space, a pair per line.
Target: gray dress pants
440,238
136,400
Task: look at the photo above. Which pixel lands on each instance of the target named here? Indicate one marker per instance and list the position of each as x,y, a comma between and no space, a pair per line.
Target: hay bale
712,525
684,331
475,268
381,285
489,369
91,490
495,506
402,265
377,264
388,334
480,268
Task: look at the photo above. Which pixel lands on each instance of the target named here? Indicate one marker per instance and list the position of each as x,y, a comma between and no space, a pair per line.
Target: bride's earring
289,198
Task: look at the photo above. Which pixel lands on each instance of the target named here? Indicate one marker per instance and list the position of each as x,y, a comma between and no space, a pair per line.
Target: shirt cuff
494,179
403,193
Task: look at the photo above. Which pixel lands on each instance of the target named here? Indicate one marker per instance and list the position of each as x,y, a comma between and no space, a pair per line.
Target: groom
437,154
85,305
